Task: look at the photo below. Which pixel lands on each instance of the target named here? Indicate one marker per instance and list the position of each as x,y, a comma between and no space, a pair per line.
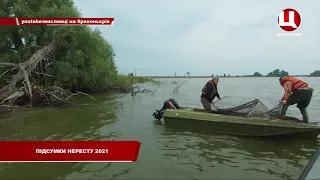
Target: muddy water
165,153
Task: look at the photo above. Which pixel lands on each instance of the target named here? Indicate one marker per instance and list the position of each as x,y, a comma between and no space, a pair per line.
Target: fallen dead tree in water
30,95
24,70
53,96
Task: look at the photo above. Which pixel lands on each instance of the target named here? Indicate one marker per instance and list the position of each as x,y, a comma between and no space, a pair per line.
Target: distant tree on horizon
257,74
316,73
278,73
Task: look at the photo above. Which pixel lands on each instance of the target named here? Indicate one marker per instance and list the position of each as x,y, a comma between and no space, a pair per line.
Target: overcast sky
163,37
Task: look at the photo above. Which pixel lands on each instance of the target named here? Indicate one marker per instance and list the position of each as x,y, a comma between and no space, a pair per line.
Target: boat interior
212,111
232,114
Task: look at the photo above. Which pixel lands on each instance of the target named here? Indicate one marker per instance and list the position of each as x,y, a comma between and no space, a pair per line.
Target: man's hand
284,101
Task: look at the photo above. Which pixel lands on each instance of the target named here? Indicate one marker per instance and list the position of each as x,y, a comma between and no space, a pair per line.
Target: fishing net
250,108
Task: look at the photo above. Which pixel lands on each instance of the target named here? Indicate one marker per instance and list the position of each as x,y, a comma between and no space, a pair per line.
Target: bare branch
28,66
78,92
33,47
8,71
12,98
43,74
3,64
26,78
178,87
12,107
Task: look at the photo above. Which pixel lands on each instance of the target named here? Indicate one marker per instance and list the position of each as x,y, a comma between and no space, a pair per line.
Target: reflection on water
247,157
165,153
314,166
84,121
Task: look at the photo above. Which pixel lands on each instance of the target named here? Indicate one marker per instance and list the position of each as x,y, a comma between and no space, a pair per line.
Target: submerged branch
29,95
175,90
78,92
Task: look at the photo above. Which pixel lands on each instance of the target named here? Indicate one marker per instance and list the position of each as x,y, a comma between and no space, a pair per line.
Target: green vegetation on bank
83,59
124,81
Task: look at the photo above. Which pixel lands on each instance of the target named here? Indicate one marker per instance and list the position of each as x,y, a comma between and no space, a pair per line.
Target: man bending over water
295,92
209,92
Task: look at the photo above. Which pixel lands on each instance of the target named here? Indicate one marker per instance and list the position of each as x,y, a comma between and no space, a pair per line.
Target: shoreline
159,77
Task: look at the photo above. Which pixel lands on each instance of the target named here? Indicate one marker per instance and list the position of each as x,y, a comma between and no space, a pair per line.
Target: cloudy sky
204,37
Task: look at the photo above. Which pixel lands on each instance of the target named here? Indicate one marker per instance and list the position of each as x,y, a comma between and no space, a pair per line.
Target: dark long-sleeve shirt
210,91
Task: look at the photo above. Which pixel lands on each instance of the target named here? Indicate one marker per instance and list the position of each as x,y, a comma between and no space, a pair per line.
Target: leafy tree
284,73
257,74
84,58
315,73
270,74
278,73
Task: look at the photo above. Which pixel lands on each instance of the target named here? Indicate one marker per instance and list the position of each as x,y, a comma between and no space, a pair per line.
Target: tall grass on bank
126,81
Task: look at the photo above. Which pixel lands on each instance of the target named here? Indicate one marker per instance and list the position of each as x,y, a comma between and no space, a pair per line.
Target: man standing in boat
297,92
209,92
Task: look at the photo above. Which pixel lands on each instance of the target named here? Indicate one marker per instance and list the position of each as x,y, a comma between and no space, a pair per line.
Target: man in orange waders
209,92
295,92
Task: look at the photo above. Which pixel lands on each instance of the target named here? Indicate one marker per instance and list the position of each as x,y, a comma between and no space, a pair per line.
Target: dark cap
215,78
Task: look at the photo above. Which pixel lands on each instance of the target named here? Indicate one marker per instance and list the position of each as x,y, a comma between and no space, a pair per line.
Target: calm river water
165,153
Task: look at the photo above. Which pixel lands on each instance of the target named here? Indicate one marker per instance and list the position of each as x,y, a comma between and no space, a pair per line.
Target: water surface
165,153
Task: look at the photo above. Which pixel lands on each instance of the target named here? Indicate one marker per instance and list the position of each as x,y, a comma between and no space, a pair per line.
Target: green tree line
279,73
83,59
274,73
